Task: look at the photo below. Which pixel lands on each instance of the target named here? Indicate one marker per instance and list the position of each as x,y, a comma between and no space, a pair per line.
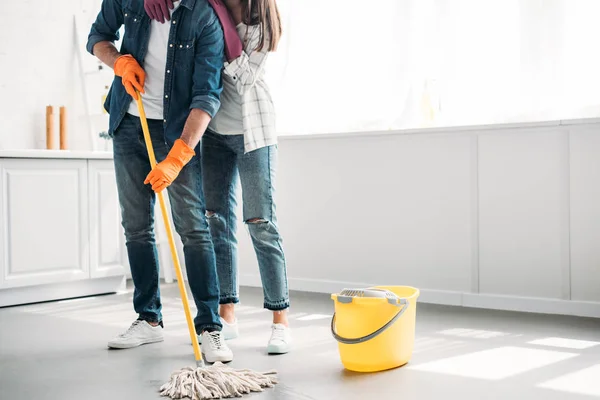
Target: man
181,84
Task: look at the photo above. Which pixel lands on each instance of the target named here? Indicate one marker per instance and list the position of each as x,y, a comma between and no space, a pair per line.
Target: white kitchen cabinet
585,214
60,231
523,233
45,222
105,222
500,217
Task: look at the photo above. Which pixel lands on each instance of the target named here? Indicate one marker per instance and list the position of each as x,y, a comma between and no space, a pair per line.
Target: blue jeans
137,210
223,161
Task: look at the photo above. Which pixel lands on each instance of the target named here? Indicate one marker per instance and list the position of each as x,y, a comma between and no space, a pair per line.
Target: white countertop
443,129
105,155
59,154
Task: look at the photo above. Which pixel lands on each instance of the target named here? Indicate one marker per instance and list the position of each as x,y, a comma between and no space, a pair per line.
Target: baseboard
59,291
532,304
452,298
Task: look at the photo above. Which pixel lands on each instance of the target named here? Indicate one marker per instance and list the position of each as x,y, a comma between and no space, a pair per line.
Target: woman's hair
266,14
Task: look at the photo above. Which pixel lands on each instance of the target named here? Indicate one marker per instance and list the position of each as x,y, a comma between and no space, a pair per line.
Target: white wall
38,67
504,217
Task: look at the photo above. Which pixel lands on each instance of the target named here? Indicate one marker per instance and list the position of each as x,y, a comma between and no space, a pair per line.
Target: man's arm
106,52
207,86
206,92
195,126
107,25
104,32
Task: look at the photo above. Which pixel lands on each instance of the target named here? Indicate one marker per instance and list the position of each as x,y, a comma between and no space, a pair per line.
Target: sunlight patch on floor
473,333
584,382
565,343
494,364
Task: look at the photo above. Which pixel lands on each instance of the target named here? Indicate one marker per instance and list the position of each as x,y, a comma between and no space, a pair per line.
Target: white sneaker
214,347
139,333
230,331
281,339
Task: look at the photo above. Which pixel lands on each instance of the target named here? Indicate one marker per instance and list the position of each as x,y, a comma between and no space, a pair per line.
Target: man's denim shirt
195,58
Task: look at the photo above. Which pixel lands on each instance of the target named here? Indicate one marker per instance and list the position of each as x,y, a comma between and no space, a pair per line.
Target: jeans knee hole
257,221
211,214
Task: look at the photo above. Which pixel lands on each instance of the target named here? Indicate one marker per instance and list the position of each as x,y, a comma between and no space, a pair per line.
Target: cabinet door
43,221
105,221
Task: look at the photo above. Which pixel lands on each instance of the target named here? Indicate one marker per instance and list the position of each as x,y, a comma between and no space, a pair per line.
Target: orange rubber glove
166,171
132,75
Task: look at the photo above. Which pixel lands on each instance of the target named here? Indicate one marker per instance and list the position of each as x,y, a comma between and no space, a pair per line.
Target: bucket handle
401,302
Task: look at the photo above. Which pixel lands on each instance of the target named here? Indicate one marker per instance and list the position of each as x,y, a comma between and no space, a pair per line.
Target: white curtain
365,65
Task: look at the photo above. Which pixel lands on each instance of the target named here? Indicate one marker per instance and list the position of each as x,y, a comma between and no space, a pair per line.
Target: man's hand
132,75
166,171
125,66
158,9
182,152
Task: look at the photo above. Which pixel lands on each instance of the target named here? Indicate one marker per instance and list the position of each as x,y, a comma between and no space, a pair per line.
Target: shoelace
215,340
132,329
278,333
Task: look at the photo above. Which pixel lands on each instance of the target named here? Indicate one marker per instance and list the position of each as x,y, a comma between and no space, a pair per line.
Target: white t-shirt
228,120
155,63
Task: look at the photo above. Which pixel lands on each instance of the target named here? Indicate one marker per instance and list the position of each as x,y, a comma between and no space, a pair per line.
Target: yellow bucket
375,333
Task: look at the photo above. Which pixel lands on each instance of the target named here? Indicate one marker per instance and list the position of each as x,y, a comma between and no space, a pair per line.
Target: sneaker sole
230,336
220,359
278,350
132,345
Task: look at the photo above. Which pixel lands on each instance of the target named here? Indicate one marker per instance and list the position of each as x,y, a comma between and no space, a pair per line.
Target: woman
241,142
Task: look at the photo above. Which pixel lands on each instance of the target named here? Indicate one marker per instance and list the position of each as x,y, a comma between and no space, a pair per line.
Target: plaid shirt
247,72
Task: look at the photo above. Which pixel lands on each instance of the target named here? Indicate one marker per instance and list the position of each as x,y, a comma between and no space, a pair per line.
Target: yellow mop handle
163,208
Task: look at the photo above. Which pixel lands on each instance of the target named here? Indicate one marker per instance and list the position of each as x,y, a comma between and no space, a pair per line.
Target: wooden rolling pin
49,127
63,128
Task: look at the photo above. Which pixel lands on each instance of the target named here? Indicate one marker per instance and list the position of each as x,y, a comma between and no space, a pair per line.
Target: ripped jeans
223,163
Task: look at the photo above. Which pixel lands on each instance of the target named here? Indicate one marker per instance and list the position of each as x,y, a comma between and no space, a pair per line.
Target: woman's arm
247,68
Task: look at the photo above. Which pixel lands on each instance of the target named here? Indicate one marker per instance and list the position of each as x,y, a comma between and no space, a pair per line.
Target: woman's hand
158,9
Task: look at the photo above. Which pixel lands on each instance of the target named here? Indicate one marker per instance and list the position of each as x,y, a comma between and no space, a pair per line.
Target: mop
201,382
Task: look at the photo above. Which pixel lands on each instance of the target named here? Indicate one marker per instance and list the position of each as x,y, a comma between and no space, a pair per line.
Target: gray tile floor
58,351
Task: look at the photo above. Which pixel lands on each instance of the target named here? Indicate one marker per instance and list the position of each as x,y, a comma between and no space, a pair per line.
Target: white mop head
215,382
